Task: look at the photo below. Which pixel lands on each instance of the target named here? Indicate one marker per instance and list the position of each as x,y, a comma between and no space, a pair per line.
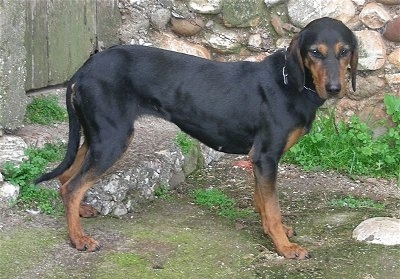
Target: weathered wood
108,21
71,36
36,44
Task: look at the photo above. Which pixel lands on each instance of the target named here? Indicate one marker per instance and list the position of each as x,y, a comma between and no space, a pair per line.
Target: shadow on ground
173,238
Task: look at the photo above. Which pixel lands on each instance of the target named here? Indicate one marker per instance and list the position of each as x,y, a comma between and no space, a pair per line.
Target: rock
160,18
270,3
171,43
392,30
389,2
223,40
393,79
366,87
242,13
8,192
186,27
12,149
374,15
302,12
394,57
372,50
206,6
379,230
277,24
255,42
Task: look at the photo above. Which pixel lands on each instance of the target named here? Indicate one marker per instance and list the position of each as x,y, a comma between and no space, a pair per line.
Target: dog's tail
73,140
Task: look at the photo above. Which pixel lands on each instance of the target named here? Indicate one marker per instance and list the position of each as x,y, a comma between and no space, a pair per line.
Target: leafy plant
353,202
32,196
350,147
45,110
162,192
216,200
184,142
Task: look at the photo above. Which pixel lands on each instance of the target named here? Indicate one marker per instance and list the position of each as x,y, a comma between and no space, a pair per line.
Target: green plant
45,110
353,202
162,192
32,196
184,142
350,147
218,201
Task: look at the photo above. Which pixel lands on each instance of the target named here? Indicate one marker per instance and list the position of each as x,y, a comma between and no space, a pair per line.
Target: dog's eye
344,52
316,53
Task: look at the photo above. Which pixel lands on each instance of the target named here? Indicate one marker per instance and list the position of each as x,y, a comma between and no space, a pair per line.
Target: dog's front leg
267,204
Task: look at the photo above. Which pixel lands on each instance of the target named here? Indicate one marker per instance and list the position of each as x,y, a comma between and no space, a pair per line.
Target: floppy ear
353,66
294,64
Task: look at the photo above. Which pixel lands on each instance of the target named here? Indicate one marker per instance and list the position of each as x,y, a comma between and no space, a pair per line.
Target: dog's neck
310,92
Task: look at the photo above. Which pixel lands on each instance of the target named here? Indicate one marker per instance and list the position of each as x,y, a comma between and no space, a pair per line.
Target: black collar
310,93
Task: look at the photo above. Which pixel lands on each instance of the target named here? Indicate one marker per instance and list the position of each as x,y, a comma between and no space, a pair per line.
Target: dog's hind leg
101,154
85,210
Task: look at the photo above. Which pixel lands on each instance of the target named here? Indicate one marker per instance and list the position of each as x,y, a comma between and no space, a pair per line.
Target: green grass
163,192
354,202
349,147
45,111
184,142
217,201
32,196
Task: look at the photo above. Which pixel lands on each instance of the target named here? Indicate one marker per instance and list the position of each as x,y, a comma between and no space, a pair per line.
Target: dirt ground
174,238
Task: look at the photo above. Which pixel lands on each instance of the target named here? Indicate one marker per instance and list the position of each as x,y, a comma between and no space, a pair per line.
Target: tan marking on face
318,73
344,61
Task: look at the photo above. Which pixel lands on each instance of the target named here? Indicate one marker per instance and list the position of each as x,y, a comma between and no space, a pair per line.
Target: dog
256,108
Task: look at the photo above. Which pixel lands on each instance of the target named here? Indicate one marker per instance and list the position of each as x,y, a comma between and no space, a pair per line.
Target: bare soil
173,238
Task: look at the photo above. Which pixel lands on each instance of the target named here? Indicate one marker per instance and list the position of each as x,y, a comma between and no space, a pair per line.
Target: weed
31,196
162,192
184,142
216,200
353,202
350,147
45,110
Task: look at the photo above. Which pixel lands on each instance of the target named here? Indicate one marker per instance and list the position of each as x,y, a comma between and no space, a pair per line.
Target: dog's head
319,55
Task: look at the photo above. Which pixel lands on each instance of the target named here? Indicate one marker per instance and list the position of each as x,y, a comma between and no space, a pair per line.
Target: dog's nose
333,88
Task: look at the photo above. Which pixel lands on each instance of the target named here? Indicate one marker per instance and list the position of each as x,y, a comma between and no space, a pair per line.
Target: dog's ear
295,64
353,64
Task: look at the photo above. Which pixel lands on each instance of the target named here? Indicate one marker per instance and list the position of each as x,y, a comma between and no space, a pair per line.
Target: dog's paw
86,243
87,211
293,251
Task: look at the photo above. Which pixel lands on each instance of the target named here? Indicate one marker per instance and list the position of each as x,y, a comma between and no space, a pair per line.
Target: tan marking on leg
266,201
80,155
293,138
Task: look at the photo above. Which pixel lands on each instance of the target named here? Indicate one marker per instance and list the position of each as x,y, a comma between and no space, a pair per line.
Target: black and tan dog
256,108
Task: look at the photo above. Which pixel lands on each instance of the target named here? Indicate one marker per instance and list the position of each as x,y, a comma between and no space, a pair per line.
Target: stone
392,30
186,27
374,15
8,192
160,18
277,24
270,3
223,40
255,42
206,6
367,87
389,2
372,50
394,57
12,149
379,230
393,79
301,12
242,13
169,42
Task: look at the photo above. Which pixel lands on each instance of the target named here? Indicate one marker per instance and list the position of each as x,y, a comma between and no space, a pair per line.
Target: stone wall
228,30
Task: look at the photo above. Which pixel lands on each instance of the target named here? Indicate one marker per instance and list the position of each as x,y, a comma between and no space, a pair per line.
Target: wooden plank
108,22
71,36
36,44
